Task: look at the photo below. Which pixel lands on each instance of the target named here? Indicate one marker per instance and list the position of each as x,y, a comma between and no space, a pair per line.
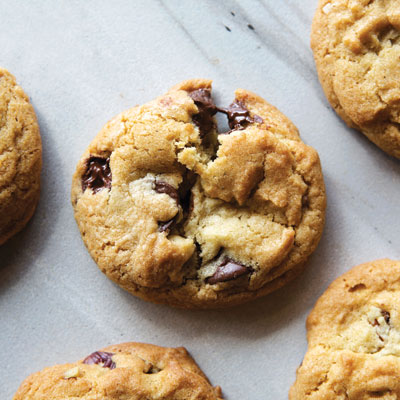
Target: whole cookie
356,48
129,371
20,157
353,337
176,213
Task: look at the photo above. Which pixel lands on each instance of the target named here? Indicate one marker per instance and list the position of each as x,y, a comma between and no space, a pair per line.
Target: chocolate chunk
207,109
164,187
239,116
386,316
185,192
100,357
98,174
228,270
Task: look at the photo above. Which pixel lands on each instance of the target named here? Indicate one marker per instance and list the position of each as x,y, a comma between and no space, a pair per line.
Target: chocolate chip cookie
356,48
20,157
129,371
354,338
176,211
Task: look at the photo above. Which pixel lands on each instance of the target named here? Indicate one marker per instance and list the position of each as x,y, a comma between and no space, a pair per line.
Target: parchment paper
81,63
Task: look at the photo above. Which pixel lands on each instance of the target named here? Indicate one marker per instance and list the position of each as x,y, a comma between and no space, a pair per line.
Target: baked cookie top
129,371
20,157
178,213
353,337
356,46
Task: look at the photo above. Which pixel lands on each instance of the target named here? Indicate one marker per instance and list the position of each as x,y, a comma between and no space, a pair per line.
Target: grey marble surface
82,62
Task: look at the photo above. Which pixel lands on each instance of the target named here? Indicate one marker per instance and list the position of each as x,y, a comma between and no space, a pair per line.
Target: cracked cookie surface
353,337
356,45
20,157
129,371
176,212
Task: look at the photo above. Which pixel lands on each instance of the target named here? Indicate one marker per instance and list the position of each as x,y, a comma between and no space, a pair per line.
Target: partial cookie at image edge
353,335
131,370
360,86
20,158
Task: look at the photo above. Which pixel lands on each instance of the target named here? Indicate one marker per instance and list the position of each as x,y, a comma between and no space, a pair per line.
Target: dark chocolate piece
207,109
185,193
237,113
164,187
227,271
100,357
239,116
97,175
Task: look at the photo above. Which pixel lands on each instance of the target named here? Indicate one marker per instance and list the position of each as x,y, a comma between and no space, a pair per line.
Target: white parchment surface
82,62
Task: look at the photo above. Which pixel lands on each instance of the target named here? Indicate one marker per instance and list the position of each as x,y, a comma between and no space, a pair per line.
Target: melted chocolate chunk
227,271
239,116
237,113
207,109
100,357
185,192
98,174
164,187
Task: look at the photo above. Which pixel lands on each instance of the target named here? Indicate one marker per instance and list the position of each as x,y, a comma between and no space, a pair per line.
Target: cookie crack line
206,218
